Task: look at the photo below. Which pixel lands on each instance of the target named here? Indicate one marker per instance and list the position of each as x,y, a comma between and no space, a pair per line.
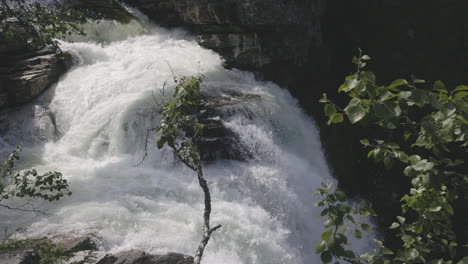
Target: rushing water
92,124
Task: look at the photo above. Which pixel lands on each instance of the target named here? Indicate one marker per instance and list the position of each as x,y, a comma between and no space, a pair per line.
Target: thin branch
206,217
146,146
33,209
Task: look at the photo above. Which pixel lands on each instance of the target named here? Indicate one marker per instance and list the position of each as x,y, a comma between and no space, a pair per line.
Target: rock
255,35
26,256
104,9
75,244
140,257
218,142
25,75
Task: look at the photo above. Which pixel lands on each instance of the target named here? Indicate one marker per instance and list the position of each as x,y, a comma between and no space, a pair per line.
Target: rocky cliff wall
269,37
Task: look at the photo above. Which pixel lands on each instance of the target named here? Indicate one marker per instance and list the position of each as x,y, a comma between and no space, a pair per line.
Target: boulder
140,257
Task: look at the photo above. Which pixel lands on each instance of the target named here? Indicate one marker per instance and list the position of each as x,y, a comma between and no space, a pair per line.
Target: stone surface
27,256
255,35
140,257
24,75
75,244
218,142
104,9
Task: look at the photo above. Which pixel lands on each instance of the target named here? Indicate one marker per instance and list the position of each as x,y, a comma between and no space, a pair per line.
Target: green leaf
356,60
357,233
412,254
394,225
366,228
369,76
409,240
387,251
439,85
320,247
355,111
436,208
326,257
414,159
397,83
401,219
416,80
404,94
341,196
365,142
327,235
461,88
460,95
336,118
365,57
329,109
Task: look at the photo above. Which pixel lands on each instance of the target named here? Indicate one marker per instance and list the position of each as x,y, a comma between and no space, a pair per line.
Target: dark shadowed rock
140,257
26,256
218,141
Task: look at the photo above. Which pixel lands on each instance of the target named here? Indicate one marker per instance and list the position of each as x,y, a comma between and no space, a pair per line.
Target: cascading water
91,126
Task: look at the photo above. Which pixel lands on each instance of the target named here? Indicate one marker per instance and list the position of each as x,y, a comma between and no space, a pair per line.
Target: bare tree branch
206,217
19,208
146,146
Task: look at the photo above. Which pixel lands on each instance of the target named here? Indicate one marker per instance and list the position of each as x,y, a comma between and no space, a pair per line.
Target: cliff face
269,37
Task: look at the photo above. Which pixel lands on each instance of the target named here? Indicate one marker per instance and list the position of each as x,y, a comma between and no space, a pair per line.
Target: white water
102,108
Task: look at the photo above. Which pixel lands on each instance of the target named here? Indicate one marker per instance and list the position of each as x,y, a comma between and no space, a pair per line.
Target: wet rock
26,256
218,142
104,9
254,35
140,257
26,74
76,244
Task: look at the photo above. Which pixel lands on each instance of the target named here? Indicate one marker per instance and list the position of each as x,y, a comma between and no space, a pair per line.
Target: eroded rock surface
218,141
140,257
26,74
254,35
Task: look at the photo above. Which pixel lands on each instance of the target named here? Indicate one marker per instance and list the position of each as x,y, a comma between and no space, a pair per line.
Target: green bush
429,128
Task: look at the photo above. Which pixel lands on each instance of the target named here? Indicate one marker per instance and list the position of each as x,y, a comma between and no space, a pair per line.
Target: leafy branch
179,129
50,186
432,140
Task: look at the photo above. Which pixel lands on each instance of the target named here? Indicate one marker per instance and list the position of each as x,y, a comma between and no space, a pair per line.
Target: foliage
430,140
180,129
37,23
50,186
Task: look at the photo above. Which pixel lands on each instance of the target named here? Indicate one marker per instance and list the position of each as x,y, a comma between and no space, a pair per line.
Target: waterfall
91,126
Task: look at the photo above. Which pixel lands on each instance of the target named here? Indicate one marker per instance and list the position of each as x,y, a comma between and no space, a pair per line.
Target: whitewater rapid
91,126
